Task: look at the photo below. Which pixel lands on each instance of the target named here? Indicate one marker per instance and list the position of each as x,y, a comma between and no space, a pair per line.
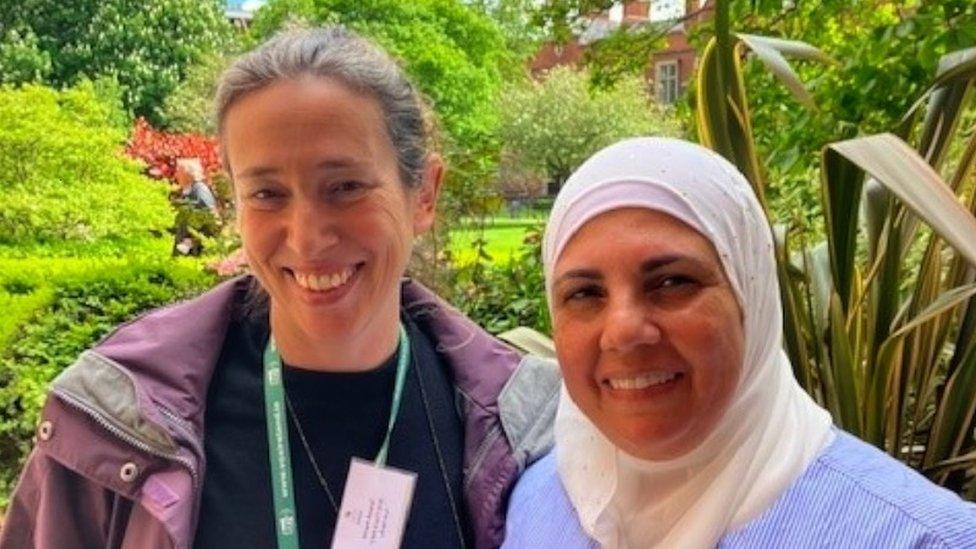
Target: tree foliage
146,46
625,51
21,59
189,108
549,127
517,21
884,52
454,54
563,19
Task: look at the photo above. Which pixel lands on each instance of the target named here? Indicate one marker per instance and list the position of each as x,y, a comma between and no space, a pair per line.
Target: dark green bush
64,306
505,295
21,59
146,46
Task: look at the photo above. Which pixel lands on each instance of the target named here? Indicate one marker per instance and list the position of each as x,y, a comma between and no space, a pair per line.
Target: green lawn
503,237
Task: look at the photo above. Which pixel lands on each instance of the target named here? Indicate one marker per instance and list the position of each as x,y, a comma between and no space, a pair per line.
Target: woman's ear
425,206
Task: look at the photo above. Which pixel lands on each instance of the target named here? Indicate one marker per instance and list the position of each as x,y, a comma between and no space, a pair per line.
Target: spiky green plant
880,319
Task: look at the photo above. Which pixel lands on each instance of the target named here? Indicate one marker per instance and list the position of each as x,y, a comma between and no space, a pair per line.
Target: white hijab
771,430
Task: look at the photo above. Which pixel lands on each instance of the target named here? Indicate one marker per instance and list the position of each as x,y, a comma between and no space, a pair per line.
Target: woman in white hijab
680,423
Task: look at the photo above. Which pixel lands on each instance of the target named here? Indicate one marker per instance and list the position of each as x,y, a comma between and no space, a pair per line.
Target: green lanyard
286,522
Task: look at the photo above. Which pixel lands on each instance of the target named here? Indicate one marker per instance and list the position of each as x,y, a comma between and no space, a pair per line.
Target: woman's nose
628,325
311,228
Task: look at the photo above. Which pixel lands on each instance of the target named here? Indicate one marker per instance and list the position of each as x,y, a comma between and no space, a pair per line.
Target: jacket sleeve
54,507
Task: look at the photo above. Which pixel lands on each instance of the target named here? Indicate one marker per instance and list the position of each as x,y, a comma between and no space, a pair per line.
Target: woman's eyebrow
337,163
328,164
258,171
573,274
664,260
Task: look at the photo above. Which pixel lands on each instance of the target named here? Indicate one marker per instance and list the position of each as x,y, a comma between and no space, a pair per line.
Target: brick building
668,70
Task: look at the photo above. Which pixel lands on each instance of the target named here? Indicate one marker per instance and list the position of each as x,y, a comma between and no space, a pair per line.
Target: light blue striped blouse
852,495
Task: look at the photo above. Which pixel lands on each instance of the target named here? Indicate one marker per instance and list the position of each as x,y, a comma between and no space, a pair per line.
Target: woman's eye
673,286
582,294
264,194
265,198
676,281
347,190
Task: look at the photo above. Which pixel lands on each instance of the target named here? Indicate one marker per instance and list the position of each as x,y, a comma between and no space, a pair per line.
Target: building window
666,10
666,78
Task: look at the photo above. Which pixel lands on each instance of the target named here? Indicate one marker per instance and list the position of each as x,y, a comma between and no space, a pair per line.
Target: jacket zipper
186,429
100,419
480,455
181,425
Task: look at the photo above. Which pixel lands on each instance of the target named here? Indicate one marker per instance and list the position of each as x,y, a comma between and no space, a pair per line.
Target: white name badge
375,507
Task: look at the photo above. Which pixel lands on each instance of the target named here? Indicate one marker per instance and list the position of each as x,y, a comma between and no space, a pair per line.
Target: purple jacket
119,459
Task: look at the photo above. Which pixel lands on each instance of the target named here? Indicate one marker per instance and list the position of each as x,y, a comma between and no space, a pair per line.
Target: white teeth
320,283
642,381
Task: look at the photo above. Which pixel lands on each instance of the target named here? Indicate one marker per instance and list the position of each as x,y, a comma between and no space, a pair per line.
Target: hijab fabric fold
771,430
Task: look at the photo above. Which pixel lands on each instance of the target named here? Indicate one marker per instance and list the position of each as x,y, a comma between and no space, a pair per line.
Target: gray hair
340,54
192,166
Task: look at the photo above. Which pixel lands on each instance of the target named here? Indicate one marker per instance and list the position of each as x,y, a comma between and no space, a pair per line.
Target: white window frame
666,10
667,80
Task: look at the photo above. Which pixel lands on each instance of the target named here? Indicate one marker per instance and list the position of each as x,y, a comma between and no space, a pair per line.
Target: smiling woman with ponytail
232,420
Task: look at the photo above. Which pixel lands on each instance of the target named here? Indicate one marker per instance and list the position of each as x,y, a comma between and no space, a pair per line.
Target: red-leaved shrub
159,150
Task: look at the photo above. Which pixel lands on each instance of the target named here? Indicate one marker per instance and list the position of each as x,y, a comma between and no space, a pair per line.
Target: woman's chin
656,444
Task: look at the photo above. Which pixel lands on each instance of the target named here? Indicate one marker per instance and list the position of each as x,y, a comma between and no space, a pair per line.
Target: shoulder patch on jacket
100,386
527,407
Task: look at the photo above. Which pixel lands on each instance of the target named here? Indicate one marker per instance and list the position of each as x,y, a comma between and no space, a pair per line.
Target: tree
145,46
562,19
551,126
189,108
21,60
625,51
454,54
517,21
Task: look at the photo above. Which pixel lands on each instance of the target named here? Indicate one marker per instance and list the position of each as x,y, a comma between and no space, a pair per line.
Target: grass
503,237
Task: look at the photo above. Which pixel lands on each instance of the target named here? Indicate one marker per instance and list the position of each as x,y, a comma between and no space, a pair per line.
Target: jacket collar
173,351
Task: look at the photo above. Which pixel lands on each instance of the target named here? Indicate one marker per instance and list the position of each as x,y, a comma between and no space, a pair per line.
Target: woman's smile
643,384
323,287
323,282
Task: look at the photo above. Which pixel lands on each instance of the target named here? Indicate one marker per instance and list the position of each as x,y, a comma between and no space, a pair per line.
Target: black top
342,415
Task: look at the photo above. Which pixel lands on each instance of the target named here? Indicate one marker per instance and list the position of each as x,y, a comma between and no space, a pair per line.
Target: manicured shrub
66,187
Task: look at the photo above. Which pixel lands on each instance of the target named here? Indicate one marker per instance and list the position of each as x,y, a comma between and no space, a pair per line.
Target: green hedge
56,308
